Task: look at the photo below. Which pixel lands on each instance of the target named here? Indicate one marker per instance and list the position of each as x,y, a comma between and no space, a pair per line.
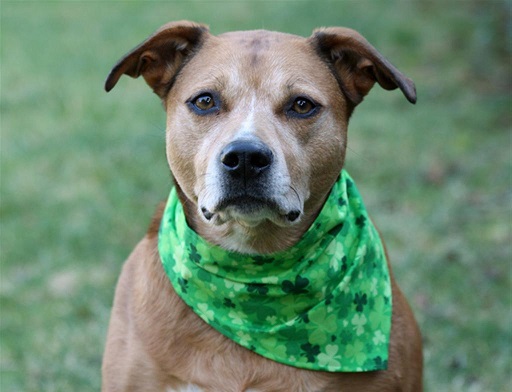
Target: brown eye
204,102
302,107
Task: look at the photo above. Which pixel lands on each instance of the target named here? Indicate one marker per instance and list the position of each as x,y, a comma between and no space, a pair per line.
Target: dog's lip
253,208
247,204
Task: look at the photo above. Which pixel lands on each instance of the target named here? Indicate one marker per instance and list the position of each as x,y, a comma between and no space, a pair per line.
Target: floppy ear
160,56
358,65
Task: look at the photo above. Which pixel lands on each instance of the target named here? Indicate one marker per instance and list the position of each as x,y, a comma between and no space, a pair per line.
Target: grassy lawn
82,170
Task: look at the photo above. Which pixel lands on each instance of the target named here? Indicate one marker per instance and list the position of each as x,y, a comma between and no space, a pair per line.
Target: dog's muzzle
246,170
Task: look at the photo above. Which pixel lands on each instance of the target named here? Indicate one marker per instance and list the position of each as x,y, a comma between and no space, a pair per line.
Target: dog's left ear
160,56
358,64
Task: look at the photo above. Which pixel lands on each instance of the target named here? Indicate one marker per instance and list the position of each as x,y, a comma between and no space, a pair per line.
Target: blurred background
82,171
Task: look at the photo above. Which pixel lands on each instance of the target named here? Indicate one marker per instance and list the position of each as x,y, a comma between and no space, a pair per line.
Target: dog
256,134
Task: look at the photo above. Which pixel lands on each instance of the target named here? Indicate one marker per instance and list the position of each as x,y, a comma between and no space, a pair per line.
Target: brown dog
284,101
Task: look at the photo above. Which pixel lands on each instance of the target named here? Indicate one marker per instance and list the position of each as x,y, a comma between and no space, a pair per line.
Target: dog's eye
302,107
204,102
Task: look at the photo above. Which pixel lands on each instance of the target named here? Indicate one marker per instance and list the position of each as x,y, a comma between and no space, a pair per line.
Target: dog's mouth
250,211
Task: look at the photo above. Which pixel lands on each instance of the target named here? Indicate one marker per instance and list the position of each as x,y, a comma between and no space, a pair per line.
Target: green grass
81,172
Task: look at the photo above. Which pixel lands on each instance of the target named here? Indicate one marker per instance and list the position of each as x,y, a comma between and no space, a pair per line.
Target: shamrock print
380,364
303,317
262,260
228,303
257,288
344,265
325,325
183,284
310,351
360,301
356,352
379,338
335,230
194,256
206,312
299,287
237,318
245,338
379,314
359,321
361,219
330,358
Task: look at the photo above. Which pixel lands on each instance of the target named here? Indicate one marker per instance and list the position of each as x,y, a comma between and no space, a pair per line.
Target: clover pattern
324,304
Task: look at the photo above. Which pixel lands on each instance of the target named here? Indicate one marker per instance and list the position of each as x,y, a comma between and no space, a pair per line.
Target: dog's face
257,121
256,126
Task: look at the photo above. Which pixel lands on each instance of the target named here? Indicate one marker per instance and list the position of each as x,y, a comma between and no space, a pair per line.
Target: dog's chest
208,361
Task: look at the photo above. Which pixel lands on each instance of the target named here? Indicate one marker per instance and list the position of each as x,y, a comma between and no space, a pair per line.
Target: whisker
296,193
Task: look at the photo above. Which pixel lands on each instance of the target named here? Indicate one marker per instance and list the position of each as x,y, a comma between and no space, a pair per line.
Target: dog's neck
264,238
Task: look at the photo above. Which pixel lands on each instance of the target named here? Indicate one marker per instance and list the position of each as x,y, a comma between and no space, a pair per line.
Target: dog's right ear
160,56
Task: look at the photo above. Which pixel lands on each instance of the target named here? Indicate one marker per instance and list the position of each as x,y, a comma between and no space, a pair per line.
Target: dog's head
257,120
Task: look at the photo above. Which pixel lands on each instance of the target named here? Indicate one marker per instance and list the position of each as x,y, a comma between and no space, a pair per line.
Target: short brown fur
155,342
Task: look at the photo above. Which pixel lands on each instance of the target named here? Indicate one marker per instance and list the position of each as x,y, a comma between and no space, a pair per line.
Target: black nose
246,159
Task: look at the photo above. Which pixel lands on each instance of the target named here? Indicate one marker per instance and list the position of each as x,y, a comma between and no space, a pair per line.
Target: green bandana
323,304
